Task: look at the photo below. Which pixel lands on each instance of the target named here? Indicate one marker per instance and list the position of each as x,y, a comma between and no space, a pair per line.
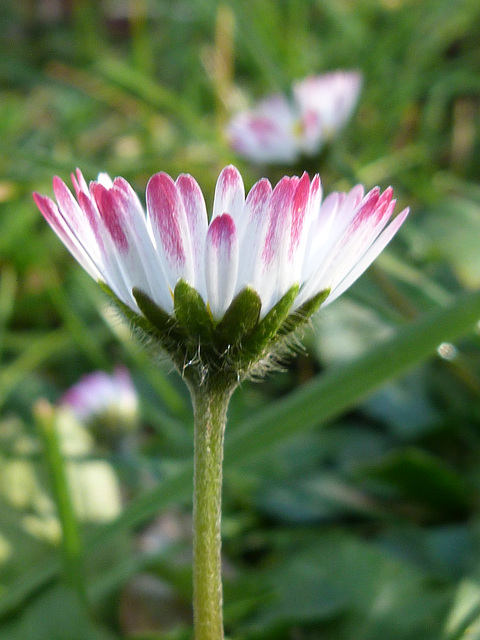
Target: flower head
231,285
279,131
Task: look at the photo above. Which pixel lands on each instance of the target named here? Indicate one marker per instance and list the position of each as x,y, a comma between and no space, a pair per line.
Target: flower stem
210,403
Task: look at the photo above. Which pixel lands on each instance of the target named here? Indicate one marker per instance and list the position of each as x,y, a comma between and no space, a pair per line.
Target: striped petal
371,218
346,259
229,194
124,220
275,277
61,227
252,234
369,256
197,222
301,217
221,264
168,221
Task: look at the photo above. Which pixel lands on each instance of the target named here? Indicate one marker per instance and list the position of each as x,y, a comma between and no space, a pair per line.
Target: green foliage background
352,480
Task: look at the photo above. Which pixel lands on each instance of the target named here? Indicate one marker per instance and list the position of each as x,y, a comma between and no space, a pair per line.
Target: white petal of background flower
99,393
325,103
266,133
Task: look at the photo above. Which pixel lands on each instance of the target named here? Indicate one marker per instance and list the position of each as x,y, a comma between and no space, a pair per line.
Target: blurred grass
346,531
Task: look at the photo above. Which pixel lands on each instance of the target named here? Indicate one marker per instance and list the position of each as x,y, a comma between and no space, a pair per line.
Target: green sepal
267,328
301,315
136,319
160,319
169,334
240,319
191,313
239,344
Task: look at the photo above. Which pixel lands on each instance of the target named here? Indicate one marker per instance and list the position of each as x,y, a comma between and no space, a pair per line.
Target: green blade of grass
8,289
153,94
35,353
331,394
56,464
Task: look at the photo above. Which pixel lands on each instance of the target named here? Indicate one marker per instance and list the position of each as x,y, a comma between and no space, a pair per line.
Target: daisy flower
259,262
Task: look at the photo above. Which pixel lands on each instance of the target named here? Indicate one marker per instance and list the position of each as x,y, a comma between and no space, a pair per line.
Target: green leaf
425,480
56,463
463,621
362,586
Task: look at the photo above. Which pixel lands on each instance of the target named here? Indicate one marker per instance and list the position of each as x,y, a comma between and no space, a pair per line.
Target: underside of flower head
221,294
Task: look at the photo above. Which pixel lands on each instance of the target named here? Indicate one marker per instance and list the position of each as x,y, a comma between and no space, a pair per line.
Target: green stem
71,539
210,403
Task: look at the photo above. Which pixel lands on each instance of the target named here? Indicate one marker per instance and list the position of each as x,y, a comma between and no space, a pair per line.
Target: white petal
229,194
131,244
197,221
252,234
376,248
54,218
104,179
168,221
221,264
274,277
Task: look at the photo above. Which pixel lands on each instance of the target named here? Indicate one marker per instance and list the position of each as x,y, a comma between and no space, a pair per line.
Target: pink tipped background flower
230,286
266,134
325,104
107,404
100,394
279,131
